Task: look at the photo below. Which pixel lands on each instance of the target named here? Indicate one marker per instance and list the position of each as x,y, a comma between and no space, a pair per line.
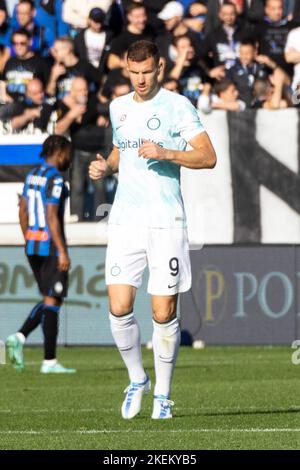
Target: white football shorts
165,251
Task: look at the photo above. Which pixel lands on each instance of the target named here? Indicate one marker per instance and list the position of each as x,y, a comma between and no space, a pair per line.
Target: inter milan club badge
153,123
123,117
115,270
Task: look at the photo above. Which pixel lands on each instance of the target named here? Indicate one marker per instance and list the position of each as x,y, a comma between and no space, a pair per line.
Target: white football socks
166,341
126,333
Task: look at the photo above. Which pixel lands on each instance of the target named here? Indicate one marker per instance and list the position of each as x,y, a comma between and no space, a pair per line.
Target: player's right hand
64,262
98,168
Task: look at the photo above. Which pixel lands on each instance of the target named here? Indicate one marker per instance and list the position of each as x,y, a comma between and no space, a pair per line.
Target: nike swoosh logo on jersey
117,128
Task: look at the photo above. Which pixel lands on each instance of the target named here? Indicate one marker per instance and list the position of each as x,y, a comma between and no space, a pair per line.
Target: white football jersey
149,192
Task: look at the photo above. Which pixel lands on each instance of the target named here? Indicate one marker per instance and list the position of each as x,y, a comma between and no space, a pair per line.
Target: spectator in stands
67,66
254,10
293,11
4,56
10,5
76,12
119,88
171,84
195,17
292,54
5,35
153,7
172,16
49,15
270,95
93,43
223,43
5,29
24,66
42,37
251,11
77,115
224,96
212,20
246,70
295,16
136,30
186,69
271,35
114,77
34,111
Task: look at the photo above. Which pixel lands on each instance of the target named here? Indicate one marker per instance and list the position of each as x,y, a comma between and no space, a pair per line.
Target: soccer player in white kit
155,131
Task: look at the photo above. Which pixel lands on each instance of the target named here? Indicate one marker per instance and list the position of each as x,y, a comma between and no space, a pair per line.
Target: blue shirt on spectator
43,33
51,20
5,35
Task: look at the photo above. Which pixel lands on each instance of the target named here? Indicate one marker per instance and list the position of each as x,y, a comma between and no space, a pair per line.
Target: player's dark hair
54,144
142,50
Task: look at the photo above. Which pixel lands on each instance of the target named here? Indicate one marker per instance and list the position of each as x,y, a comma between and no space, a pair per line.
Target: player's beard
148,91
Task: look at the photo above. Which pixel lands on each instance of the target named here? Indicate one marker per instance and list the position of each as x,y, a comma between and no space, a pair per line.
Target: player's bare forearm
202,155
194,159
113,161
23,216
55,228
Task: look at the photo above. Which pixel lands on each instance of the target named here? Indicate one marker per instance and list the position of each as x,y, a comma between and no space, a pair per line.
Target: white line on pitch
87,410
228,409
137,431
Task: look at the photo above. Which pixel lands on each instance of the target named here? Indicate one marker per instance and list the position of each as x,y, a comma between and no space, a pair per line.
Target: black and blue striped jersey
43,185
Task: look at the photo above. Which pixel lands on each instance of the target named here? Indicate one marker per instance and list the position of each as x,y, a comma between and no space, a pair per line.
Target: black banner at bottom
137,458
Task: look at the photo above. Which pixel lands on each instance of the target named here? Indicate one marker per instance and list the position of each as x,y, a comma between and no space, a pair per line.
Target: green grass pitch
225,398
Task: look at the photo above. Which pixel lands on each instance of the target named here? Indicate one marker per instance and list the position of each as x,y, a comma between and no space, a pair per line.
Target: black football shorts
51,281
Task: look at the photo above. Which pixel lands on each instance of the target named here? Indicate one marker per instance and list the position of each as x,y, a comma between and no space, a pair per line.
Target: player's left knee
164,316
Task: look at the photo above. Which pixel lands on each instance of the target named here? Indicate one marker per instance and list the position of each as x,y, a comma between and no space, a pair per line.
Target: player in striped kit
41,218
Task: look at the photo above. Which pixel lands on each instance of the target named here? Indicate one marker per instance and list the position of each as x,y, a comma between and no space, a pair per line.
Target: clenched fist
151,150
98,168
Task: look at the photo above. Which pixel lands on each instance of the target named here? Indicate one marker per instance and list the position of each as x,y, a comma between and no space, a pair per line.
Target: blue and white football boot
133,401
162,407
